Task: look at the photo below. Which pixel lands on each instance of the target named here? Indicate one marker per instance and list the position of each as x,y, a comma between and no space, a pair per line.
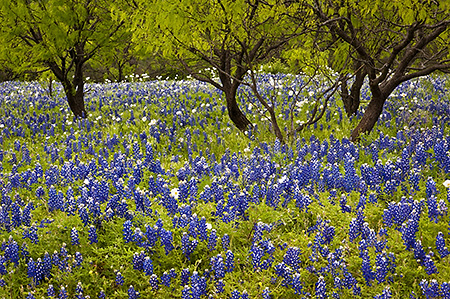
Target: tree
390,42
58,36
231,36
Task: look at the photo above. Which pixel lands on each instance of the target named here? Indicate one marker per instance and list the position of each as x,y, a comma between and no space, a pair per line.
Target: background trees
58,36
232,37
384,42
390,42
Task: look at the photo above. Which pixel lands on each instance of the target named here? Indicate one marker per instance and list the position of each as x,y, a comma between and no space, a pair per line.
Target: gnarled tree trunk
75,92
235,113
352,100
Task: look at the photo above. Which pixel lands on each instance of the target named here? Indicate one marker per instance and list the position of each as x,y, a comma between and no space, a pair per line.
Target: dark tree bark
409,51
235,113
352,100
74,89
370,117
76,101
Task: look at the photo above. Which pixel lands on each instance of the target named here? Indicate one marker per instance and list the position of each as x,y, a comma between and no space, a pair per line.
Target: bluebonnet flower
440,245
386,294
186,293
445,290
212,240
225,242
79,289
356,225
51,291
381,264
92,235
202,229
430,267
430,187
166,240
78,259
31,269
345,208
285,272
188,246
47,264
74,236
30,296
292,257
84,215
296,284
220,286
154,283
433,209
165,279
266,293
31,233
101,294
119,279
132,293
366,267
218,266
409,229
419,253
151,234
26,214
184,277
148,266
12,251
256,254
235,294
430,289
138,260
321,290
63,258
16,216
229,261
122,208
62,293
127,232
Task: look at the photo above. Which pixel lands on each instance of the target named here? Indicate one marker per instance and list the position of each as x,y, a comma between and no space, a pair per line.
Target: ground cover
157,195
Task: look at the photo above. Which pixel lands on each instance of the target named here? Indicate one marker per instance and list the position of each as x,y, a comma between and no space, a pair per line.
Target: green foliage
37,33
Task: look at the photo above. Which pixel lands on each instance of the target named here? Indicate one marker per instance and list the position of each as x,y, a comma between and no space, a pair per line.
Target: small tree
390,42
231,36
58,36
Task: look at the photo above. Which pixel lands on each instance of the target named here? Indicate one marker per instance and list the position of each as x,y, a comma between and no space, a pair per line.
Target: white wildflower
175,193
446,184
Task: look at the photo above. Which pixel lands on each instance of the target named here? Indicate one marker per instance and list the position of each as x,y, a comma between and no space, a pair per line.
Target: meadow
157,195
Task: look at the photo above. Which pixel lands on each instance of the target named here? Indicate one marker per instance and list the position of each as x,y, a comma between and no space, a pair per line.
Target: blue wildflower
132,293
92,235
119,279
321,290
74,236
440,245
212,240
154,283
229,261
127,232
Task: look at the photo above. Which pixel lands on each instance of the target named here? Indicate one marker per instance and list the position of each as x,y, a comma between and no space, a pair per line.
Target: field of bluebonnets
158,195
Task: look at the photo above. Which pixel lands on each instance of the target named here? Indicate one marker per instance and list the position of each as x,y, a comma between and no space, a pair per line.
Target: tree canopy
232,37
58,36
390,42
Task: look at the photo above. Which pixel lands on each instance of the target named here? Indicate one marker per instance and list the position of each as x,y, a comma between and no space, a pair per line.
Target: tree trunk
351,101
76,103
235,113
370,117
75,92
